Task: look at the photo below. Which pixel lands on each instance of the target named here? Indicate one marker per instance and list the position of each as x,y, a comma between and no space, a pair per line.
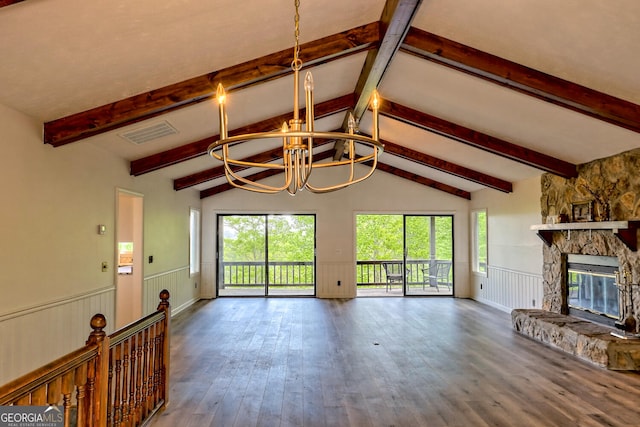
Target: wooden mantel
626,231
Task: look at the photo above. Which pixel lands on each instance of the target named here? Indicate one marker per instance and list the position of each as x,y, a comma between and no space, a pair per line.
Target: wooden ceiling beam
422,180
153,103
4,3
523,79
199,148
447,167
395,22
478,140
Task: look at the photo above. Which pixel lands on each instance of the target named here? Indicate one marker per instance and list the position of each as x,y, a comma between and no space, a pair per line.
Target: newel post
97,408
166,347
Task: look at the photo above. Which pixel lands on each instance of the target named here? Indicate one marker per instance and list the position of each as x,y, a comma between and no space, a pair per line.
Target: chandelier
297,143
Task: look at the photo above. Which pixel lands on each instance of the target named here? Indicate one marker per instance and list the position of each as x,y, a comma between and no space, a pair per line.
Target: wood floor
379,362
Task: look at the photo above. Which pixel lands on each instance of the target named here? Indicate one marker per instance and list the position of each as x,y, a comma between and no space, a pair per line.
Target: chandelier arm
320,190
358,160
302,134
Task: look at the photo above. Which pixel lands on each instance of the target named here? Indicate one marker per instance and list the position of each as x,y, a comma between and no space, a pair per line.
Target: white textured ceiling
60,57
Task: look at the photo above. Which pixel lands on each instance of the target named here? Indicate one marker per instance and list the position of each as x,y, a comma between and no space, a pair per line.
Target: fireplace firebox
592,291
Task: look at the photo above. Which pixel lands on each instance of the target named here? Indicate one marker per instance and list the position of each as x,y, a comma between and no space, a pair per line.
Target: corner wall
514,277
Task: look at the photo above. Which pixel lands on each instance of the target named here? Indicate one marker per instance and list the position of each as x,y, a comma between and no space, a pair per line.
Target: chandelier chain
296,64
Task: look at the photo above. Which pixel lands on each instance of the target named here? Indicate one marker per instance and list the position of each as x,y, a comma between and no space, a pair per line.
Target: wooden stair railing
116,380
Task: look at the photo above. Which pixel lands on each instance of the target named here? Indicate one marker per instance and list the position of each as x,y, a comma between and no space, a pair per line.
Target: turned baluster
117,381
135,382
80,382
67,390
126,369
157,359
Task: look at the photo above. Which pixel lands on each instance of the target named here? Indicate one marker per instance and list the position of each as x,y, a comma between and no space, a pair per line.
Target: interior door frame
129,293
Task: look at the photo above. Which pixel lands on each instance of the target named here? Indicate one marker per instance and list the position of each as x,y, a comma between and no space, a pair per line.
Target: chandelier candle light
297,143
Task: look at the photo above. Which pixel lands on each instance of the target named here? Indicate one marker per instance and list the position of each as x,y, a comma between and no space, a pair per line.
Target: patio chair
394,273
437,274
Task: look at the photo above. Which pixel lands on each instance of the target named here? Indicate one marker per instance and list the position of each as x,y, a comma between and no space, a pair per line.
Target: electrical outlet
533,303
195,285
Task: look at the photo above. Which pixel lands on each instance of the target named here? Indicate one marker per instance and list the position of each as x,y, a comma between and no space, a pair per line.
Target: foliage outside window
479,246
268,240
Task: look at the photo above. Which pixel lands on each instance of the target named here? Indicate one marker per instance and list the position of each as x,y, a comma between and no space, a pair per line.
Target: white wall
50,250
514,278
335,221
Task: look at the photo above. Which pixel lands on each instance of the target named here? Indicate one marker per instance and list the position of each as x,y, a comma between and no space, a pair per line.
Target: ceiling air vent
149,133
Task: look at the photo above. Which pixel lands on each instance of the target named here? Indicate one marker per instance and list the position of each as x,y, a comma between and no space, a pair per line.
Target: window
479,243
194,241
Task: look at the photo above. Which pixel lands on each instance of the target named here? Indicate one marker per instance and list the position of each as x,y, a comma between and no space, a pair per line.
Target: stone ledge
581,338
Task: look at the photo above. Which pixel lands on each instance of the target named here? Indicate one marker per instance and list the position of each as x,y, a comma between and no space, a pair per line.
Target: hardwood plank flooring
379,362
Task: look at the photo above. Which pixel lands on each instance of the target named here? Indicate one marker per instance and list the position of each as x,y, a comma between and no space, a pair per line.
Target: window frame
195,226
476,256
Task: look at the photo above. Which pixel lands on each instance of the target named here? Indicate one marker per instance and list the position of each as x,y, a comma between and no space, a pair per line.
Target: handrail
120,379
13,391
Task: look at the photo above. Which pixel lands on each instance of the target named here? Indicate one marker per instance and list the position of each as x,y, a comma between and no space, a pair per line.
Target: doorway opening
266,255
129,253
404,255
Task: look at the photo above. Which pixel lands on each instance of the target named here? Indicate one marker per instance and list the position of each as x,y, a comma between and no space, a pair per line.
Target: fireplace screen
592,286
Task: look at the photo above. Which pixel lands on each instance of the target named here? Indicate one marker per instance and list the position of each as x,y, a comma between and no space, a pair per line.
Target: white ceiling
61,57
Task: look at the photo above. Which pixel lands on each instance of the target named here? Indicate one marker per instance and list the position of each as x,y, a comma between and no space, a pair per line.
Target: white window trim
475,261
195,248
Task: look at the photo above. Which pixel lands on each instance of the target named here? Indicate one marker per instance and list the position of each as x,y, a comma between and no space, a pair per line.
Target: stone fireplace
613,186
611,189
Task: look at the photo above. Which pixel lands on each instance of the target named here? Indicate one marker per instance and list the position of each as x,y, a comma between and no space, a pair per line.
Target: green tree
243,238
379,237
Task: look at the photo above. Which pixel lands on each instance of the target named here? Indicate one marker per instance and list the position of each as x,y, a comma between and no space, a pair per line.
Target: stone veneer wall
613,184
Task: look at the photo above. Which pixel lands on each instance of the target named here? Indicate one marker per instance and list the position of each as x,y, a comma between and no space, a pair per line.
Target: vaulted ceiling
475,94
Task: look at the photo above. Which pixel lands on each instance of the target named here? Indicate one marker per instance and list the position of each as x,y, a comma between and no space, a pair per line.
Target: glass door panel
429,249
242,255
419,247
379,255
291,254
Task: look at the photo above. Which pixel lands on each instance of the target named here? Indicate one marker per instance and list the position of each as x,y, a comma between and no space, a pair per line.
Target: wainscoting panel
327,281
184,290
208,279
34,336
508,289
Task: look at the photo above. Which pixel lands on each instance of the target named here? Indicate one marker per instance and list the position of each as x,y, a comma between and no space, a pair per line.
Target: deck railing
296,273
115,380
281,273
371,273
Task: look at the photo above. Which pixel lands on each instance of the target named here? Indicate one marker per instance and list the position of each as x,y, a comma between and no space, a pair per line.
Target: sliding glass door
429,254
404,255
266,255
